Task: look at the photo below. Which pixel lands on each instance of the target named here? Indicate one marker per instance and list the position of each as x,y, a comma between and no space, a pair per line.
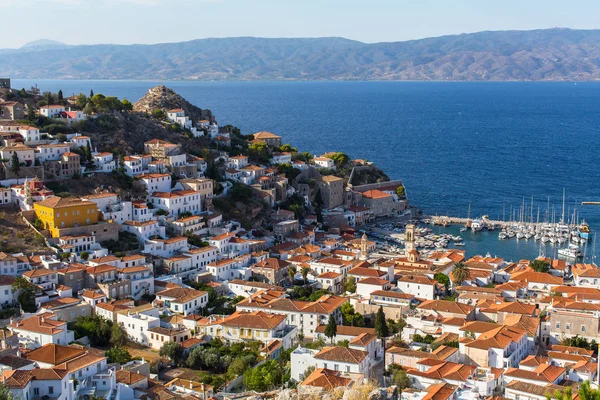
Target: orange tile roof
326,379
40,324
341,354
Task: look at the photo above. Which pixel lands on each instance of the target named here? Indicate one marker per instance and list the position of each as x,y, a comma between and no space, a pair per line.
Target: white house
30,134
183,300
156,182
52,111
281,158
138,321
132,166
336,358
104,161
141,279
40,330
178,201
7,295
419,286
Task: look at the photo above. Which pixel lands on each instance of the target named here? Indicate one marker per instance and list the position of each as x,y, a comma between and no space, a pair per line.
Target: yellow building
58,213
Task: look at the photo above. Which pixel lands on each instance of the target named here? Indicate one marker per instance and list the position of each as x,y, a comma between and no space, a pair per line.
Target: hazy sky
155,21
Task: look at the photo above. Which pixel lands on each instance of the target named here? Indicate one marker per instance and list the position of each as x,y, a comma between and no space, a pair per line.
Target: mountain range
556,54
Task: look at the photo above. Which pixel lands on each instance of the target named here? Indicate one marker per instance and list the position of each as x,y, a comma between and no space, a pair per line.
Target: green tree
236,368
460,273
400,379
287,148
443,279
88,152
540,266
127,106
304,271
118,355
350,317
291,273
259,152
26,296
263,377
400,191
118,337
82,100
15,165
59,97
340,159
381,328
350,285
172,350
91,93
5,393
331,328
84,255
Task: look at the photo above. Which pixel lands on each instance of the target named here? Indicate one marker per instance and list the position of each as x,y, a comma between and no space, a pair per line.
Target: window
50,389
582,328
568,326
558,325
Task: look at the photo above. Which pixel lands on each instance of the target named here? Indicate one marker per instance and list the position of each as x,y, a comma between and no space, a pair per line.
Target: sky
160,21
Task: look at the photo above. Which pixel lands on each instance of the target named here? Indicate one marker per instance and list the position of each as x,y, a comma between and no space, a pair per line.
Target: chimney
191,385
43,319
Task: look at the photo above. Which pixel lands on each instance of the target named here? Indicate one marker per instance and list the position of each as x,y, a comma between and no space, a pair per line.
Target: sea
488,147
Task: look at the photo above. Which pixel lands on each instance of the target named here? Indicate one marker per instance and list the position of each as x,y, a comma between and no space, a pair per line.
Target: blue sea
490,145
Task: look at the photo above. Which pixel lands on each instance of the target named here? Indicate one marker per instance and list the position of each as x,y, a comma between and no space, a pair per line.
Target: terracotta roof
40,324
446,306
363,339
90,294
326,379
498,338
341,354
543,373
376,194
254,320
6,280
374,281
60,202
128,377
34,273
536,277
538,390
329,275
54,354
362,271
181,295
191,342
265,135
271,263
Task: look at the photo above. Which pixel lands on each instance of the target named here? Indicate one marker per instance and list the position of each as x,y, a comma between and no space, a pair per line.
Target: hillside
538,55
165,99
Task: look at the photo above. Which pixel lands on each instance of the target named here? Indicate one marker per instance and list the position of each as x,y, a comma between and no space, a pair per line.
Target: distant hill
43,44
538,55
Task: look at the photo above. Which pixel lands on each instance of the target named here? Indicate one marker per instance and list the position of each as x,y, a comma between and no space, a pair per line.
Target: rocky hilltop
161,97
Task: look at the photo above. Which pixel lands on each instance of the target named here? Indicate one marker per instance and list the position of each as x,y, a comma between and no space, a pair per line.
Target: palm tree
292,273
460,273
304,271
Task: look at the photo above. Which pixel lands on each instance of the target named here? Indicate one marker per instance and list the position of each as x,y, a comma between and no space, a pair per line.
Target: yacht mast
562,218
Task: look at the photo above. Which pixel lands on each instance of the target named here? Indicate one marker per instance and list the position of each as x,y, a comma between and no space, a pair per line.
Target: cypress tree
381,328
331,328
